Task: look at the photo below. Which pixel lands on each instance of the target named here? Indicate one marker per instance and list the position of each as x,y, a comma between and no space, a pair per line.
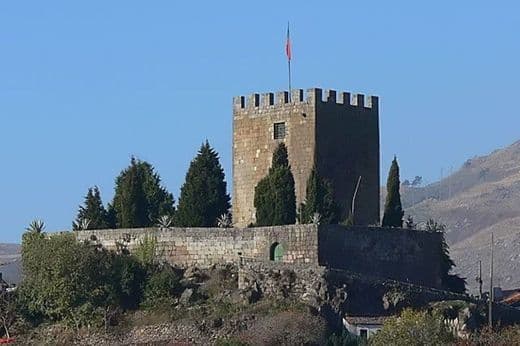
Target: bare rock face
395,300
186,296
339,299
281,281
252,294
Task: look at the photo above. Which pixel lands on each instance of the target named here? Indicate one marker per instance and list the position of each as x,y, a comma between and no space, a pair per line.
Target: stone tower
340,131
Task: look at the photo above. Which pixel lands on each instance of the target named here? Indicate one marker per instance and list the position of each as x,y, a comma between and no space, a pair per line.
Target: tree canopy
92,214
319,199
393,214
203,195
139,199
275,199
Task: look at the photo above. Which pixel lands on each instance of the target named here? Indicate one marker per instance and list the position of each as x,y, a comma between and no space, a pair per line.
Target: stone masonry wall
399,254
347,147
394,253
207,246
254,144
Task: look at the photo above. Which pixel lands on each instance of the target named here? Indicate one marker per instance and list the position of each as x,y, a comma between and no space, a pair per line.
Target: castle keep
340,131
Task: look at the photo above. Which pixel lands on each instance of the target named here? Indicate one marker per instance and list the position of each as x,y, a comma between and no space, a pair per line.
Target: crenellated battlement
340,128
298,96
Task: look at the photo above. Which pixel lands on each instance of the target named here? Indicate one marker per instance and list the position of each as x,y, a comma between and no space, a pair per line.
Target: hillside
10,264
483,196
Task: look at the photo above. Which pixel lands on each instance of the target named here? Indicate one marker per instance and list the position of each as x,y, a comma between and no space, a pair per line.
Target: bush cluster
85,285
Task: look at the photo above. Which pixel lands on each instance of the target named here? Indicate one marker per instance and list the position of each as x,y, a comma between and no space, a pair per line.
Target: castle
339,134
338,131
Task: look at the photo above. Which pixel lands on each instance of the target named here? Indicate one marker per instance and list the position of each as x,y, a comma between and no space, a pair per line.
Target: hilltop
483,196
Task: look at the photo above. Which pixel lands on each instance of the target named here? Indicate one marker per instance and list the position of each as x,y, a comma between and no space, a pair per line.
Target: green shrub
145,252
128,277
64,279
502,337
413,328
344,338
78,283
161,286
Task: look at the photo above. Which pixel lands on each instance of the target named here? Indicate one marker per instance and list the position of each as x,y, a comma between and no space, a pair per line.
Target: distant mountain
483,196
10,263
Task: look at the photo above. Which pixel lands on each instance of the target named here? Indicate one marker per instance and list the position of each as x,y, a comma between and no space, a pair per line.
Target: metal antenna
491,293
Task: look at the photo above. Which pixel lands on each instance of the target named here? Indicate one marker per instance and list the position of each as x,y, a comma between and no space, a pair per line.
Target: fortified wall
207,246
399,254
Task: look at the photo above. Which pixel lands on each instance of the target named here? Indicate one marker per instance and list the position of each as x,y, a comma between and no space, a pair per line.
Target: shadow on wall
400,254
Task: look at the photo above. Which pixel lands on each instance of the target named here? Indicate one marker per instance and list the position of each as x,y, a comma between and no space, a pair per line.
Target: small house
363,326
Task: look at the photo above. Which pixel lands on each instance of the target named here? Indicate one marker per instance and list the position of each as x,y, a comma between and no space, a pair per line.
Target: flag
288,44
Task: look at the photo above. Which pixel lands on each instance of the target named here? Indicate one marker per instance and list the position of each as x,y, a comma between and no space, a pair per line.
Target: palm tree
36,226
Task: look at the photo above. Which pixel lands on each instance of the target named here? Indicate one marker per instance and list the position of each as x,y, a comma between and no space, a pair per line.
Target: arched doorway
276,252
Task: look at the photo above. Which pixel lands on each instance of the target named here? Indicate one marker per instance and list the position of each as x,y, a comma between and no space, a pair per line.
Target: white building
363,326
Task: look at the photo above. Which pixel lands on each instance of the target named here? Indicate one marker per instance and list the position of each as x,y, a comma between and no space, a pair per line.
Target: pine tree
203,196
275,199
139,199
92,214
319,199
393,215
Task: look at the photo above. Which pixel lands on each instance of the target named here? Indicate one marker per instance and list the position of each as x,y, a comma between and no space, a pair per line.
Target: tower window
279,130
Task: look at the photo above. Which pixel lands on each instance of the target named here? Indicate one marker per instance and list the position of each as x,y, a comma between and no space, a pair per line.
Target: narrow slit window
279,130
363,333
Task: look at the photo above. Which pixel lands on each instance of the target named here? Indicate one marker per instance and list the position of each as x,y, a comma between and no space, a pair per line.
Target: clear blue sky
85,85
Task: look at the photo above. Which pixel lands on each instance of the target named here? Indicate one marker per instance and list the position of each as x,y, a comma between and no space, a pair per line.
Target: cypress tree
275,199
92,214
159,202
393,215
263,202
139,198
203,196
319,199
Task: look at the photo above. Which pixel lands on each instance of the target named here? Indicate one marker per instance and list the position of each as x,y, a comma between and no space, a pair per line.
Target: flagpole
288,52
289,63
